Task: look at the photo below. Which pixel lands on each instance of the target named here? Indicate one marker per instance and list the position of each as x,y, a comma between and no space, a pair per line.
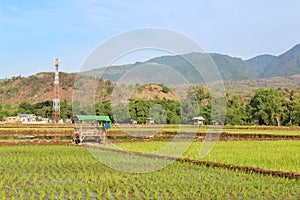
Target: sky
35,32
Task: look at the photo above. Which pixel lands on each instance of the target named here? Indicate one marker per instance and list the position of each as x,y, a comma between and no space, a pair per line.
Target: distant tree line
42,109
264,107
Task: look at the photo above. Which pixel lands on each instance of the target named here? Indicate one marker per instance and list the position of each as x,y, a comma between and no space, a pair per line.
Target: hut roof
198,118
92,117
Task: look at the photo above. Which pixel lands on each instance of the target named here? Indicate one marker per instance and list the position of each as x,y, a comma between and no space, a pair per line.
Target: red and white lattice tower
56,100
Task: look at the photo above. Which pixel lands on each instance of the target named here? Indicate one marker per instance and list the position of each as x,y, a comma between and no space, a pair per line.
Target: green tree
121,113
267,107
7,110
65,110
201,93
236,111
139,110
165,89
294,108
190,108
158,112
197,102
173,111
164,111
142,111
43,109
105,109
26,108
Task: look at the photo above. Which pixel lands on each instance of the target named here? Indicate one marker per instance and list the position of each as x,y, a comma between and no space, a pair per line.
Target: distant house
133,121
214,122
198,120
150,120
22,118
42,120
27,118
11,120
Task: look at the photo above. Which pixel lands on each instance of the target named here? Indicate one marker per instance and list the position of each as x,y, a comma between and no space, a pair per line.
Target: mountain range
240,76
230,68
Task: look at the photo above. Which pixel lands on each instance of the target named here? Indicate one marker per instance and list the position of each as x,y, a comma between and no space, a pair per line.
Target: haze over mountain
285,64
231,68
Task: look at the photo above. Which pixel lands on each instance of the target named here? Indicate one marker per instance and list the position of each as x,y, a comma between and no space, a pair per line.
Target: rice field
282,155
44,171
205,129
71,172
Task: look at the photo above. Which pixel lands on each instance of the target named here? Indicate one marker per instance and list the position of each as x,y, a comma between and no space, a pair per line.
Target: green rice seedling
72,170
272,155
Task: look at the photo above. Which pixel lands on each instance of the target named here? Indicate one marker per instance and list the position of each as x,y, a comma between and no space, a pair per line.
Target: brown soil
119,136
34,142
152,92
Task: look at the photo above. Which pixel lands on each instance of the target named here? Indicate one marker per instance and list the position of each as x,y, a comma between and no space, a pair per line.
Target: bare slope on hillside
39,88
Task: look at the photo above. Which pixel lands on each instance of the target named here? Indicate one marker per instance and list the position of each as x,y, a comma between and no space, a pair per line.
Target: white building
150,120
198,120
27,118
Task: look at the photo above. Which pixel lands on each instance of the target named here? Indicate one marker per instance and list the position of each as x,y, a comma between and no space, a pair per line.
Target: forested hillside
263,90
263,107
285,64
231,68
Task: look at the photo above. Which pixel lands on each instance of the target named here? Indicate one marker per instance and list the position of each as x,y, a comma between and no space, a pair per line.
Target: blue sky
34,32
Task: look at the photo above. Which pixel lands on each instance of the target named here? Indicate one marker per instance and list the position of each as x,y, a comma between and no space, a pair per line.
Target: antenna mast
56,100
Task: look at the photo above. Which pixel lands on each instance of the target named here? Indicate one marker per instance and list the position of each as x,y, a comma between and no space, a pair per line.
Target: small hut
198,120
91,128
150,120
214,122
